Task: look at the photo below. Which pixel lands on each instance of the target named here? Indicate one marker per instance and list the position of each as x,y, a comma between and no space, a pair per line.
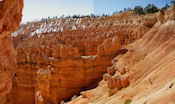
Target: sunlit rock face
10,17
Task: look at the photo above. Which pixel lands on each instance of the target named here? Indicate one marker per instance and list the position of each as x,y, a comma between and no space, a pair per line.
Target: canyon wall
58,58
10,17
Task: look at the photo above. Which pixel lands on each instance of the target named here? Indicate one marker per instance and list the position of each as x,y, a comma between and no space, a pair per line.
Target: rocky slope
10,17
143,75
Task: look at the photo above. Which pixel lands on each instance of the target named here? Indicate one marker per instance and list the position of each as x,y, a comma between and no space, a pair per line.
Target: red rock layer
55,66
10,17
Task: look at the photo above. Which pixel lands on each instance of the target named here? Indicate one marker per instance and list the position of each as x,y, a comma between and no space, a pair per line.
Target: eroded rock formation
10,17
58,58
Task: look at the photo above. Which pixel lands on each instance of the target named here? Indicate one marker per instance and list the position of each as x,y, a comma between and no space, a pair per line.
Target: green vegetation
90,16
139,10
173,2
150,81
150,8
128,101
127,9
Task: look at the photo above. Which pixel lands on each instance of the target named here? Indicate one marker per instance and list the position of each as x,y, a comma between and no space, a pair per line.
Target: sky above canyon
37,9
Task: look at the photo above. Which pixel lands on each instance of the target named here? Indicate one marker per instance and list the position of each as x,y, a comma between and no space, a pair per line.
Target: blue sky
37,9
110,6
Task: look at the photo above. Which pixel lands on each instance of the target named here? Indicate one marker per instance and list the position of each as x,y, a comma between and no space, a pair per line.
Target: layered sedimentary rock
144,74
58,58
10,17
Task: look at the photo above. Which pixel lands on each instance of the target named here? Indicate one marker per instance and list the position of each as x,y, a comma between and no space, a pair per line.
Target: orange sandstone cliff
10,17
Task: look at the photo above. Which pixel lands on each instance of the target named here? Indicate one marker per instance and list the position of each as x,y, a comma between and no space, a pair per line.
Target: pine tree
150,8
139,10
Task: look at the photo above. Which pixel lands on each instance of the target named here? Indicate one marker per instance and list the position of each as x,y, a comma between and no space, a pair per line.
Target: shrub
128,101
74,16
127,9
93,15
